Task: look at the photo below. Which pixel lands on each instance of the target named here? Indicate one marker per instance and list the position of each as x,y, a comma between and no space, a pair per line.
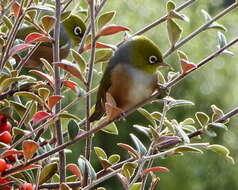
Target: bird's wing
101,95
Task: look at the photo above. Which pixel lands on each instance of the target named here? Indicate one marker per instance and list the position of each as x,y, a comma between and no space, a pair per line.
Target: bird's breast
130,85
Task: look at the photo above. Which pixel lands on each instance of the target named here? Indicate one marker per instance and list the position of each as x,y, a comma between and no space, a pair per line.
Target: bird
130,75
72,30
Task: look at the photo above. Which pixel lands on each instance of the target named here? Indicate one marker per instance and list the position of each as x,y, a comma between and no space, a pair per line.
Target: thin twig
56,58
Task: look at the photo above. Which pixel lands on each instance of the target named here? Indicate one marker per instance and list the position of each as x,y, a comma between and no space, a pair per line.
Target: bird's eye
77,30
153,59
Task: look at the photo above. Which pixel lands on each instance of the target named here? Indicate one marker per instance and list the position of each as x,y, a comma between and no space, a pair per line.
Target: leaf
73,168
188,121
100,153
202,118
79,59
217,114
187,148
44,93
143,129
187,66
129,149
223,151
48,23
128,169
40,116
11,152
100,45
105,18
114,159
168,139
37,37
70,84
136,186
53,100
68,116
181,133
218,125
29,95
48,67
7,22
73,129
182,55
174,31
85,163
47,172
177,15
64,186
177,103
19,48
139,145
31,14
29,148
111,29
16,9
29,167
170,6
147,115
72,69
154,169
8,81
111,129
214,25
43,76
103,55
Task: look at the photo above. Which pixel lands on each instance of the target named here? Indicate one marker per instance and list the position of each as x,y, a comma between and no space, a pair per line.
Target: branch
56,58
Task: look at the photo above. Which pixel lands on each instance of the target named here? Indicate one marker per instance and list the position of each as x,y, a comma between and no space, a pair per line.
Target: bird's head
75,28
145,54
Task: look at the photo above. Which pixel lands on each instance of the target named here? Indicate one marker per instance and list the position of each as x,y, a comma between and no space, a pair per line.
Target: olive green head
75,28
144,54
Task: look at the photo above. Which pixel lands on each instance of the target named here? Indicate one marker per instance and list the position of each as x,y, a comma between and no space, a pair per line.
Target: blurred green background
216,83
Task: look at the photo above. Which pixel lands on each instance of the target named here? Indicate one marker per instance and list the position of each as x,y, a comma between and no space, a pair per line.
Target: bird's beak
167,66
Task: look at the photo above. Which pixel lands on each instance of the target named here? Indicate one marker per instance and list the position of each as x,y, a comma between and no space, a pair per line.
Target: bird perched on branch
130,76
72,30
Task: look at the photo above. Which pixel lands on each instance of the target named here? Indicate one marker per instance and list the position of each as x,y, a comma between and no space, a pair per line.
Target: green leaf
30,95
128,169
105,18
143,129
47,172
161,78
202,118
48,66
8,81
182,55
136,186
83,163
221,39
218,125
67,115
181,133
100,153
139,145
111,129
223,151
7,22
103,55
79,59
73,129
44,93
187,148
177,103
217,114
188,121
170,6
113,159
48,22
174,31
147,115
177,15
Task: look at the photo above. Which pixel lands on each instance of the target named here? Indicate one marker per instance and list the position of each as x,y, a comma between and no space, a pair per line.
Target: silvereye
130,76
71,29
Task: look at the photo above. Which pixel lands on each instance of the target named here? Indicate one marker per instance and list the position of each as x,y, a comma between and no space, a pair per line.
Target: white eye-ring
77,31
153,59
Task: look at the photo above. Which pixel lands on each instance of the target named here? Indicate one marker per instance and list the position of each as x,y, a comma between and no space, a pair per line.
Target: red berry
26,186
6,137
8,166
5,127
3,165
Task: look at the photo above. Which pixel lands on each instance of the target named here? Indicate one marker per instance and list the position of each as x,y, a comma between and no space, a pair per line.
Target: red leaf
44,76
74,169
154,169
37,37
129,149
70,84
10,153
72,69
29,149
52,101
40,116
16,9
19,48
111,29
100,45
187,66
